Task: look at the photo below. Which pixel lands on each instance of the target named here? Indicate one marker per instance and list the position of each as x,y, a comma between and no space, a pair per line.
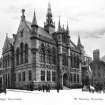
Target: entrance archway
65,78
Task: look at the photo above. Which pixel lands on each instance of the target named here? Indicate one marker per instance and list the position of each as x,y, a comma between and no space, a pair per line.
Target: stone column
60,82
69,66
34,64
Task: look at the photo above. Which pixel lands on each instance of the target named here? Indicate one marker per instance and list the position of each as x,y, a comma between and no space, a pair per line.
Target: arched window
17,56
42,53
26,53
21,52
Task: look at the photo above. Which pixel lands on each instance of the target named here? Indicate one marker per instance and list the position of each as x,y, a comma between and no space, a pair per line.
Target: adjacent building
98,70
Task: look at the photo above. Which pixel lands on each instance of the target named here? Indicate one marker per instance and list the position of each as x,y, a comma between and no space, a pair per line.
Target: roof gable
7,44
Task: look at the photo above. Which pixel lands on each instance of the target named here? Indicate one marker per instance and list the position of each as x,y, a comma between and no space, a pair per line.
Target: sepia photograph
52,52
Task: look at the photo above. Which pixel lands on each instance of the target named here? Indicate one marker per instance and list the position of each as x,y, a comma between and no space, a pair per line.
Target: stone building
98,69
42,55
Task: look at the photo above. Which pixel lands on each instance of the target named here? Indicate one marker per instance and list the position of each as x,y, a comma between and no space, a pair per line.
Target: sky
84,16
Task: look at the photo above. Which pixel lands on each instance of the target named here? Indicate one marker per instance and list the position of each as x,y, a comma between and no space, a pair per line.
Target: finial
23,11
49,9
23,15
49,5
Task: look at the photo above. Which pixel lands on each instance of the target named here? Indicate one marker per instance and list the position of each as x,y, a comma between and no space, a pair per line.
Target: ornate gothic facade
41,55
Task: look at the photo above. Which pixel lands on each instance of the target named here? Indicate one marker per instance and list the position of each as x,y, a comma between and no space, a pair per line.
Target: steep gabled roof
7,44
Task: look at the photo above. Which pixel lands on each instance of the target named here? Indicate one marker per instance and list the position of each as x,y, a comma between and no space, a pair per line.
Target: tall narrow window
21,32
26,53
77,77
64,60
23,76
42,53
74,77
19,76
71,78
17,56
30,75
6,80
53,76
21,52
42,75
48,75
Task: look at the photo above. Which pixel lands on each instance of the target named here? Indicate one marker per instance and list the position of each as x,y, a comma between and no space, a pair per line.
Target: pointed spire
67,29
34,21
79,41
59,25
63,28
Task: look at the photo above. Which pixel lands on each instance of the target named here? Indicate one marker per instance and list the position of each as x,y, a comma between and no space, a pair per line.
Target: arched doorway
65,78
